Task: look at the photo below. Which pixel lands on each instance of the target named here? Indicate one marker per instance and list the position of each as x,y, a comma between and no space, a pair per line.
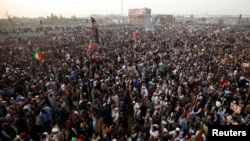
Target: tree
53,16
61,17
73,17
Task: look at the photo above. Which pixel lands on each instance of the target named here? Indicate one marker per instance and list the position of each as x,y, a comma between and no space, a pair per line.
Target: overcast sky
83,8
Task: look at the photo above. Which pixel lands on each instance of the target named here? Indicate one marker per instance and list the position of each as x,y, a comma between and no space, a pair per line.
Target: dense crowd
137,84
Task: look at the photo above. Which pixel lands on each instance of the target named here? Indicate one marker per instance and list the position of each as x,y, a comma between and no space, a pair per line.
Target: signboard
245,65
140,16
136,12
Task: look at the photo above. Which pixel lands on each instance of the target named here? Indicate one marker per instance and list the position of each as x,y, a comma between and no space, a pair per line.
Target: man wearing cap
135,105
115,116
176,133
144,91
137,114
44,136
57,135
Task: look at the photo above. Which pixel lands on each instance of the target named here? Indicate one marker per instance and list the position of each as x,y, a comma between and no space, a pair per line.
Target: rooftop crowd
164,84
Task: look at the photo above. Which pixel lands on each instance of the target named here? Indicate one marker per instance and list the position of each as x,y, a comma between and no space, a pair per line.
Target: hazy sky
83,8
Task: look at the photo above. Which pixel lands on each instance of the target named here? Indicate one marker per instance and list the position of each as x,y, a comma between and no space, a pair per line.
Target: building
163,20
139,16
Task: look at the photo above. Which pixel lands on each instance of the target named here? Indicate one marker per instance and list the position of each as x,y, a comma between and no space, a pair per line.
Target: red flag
84,26
1,41
93,57
223,81
224,61
76,139
134,35
197,137
91,46
37,55
40,57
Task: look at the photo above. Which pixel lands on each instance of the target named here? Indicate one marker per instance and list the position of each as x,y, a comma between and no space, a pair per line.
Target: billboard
140,16
136,12
164,19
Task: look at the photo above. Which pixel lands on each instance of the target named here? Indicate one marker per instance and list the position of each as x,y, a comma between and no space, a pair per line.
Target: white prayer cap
45,133
177,129
164,130
55,129
164,122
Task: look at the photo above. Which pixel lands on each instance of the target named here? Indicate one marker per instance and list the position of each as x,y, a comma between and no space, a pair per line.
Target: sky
84,8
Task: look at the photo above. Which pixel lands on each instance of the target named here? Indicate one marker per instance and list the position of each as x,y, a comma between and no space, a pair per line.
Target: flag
134,35
223,81
37,55
224,60
93,57
1,41
84,26
197,137
40,57
91,46
76,139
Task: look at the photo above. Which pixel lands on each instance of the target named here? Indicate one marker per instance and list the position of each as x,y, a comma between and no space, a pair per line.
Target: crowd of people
136,84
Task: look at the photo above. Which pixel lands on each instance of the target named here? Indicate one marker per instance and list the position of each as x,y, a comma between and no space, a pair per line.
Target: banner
136,12
245,65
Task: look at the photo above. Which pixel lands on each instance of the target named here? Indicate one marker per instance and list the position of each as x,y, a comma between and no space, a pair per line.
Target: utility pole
239,19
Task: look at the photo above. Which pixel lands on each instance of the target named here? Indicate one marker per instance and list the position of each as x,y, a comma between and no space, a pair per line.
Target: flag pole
93,28
122,16
10,20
